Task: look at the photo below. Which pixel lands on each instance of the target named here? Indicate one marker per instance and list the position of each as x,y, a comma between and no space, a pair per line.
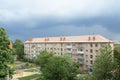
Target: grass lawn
31,70
30,77
14,64
35,69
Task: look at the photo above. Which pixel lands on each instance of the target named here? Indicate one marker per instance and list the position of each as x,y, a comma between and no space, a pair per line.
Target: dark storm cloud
112,23
40,27
24,19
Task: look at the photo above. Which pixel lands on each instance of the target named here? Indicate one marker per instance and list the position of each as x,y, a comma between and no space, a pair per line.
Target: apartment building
83,49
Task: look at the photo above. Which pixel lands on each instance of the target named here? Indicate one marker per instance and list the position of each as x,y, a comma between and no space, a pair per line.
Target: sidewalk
23,74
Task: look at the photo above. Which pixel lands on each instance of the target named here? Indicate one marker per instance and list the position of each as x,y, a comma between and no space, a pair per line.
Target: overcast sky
25,19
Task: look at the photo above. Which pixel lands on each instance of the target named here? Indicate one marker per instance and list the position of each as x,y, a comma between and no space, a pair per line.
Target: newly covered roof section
85,38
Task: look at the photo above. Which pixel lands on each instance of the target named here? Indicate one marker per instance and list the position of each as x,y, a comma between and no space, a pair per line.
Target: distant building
10,45
83,49
117,43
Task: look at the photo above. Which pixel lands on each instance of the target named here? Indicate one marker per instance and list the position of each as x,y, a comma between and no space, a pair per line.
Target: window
96,51
91,51
86,66
86,60
86,45
91,56
91,62
96,45
80,44
81,50
73,44
61,49
91,45
69,49
86,56
68,44
102,44
74,49
69,54
86,50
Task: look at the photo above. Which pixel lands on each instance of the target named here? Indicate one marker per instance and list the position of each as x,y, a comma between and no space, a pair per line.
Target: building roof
84,38
117,42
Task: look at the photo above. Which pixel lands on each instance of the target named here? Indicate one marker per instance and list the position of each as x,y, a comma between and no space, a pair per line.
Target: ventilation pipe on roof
47,39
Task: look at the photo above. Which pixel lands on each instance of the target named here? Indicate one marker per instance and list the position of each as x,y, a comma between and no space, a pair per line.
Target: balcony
69,54
80,58
69,50
69,46
80,52
81,62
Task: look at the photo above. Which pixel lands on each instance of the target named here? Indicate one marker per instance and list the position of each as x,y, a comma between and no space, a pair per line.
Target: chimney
64,39
89,38
47,39
60,38
93,38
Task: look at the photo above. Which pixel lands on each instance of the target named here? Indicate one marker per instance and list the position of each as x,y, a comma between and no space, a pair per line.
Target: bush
28,65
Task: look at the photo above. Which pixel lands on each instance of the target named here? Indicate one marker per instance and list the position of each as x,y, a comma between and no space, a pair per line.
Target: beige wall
85,53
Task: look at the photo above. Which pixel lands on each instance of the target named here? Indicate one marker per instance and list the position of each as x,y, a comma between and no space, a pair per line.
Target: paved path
21,73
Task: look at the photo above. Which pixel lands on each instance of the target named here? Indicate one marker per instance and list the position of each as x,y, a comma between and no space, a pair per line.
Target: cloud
25,19
69,30
50,26
64,30
66,9
111,23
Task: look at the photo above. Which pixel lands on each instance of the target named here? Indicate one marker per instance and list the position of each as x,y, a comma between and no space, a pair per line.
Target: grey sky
24,19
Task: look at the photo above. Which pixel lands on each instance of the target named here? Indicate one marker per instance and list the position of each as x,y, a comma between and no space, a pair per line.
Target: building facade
83,49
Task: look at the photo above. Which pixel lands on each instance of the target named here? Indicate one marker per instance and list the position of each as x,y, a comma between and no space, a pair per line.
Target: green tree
104,64
18,48
43,58
58,67
117,59
5,55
